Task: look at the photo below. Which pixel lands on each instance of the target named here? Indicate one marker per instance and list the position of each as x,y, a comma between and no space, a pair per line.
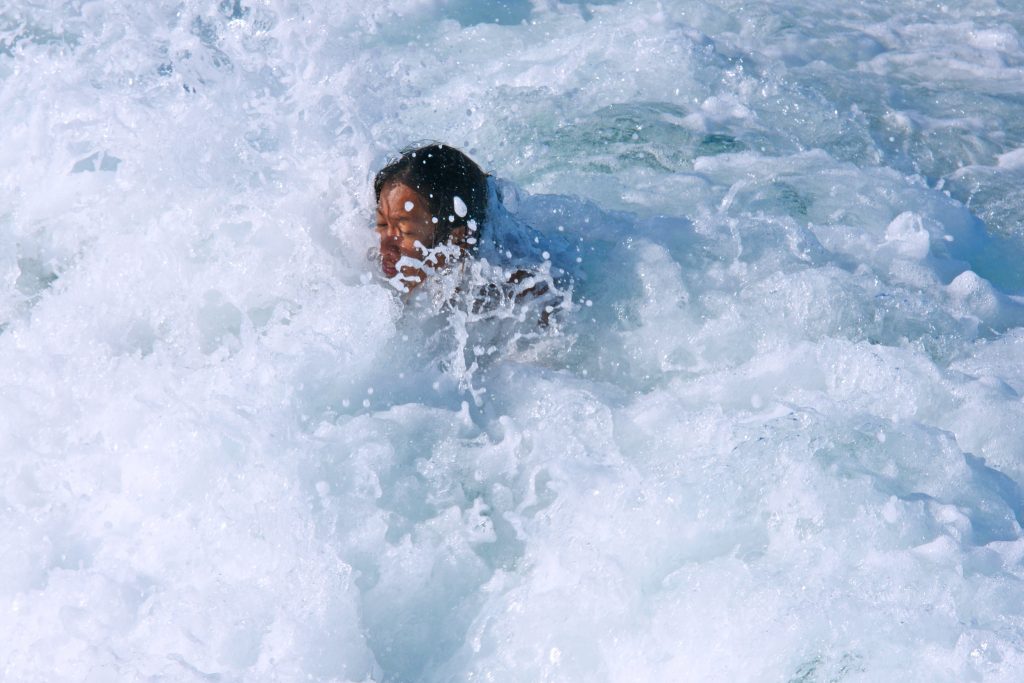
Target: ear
458,237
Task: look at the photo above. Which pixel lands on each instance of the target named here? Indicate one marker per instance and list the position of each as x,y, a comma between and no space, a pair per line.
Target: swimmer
431,202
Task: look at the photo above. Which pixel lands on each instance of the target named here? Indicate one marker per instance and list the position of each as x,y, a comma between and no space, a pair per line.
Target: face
405,227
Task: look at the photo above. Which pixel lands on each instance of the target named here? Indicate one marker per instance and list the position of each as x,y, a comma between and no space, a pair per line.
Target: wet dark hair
440,174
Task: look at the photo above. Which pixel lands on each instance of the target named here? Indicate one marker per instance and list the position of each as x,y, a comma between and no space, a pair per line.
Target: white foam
1012,160
773,403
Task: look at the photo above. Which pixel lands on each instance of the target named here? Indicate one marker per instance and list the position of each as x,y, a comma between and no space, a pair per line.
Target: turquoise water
774,435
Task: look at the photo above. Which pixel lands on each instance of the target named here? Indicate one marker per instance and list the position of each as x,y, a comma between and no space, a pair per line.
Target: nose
387,232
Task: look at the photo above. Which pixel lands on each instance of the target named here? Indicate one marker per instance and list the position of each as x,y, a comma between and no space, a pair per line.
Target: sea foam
772,431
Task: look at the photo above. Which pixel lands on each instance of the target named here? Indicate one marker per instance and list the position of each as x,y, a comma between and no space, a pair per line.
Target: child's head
453,187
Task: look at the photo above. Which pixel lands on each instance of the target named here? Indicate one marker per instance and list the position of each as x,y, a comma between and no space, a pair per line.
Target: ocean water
774,431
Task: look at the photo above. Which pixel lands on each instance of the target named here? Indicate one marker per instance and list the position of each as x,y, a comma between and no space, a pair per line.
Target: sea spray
773,432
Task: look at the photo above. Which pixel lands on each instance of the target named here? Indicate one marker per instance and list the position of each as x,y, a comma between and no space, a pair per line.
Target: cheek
410,245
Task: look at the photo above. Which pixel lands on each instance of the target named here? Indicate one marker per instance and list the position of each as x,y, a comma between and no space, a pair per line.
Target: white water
778,436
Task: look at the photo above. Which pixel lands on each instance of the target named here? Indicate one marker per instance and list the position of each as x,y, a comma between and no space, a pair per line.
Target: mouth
388,263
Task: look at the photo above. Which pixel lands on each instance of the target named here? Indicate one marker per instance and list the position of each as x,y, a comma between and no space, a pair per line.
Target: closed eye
407,227
404,229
